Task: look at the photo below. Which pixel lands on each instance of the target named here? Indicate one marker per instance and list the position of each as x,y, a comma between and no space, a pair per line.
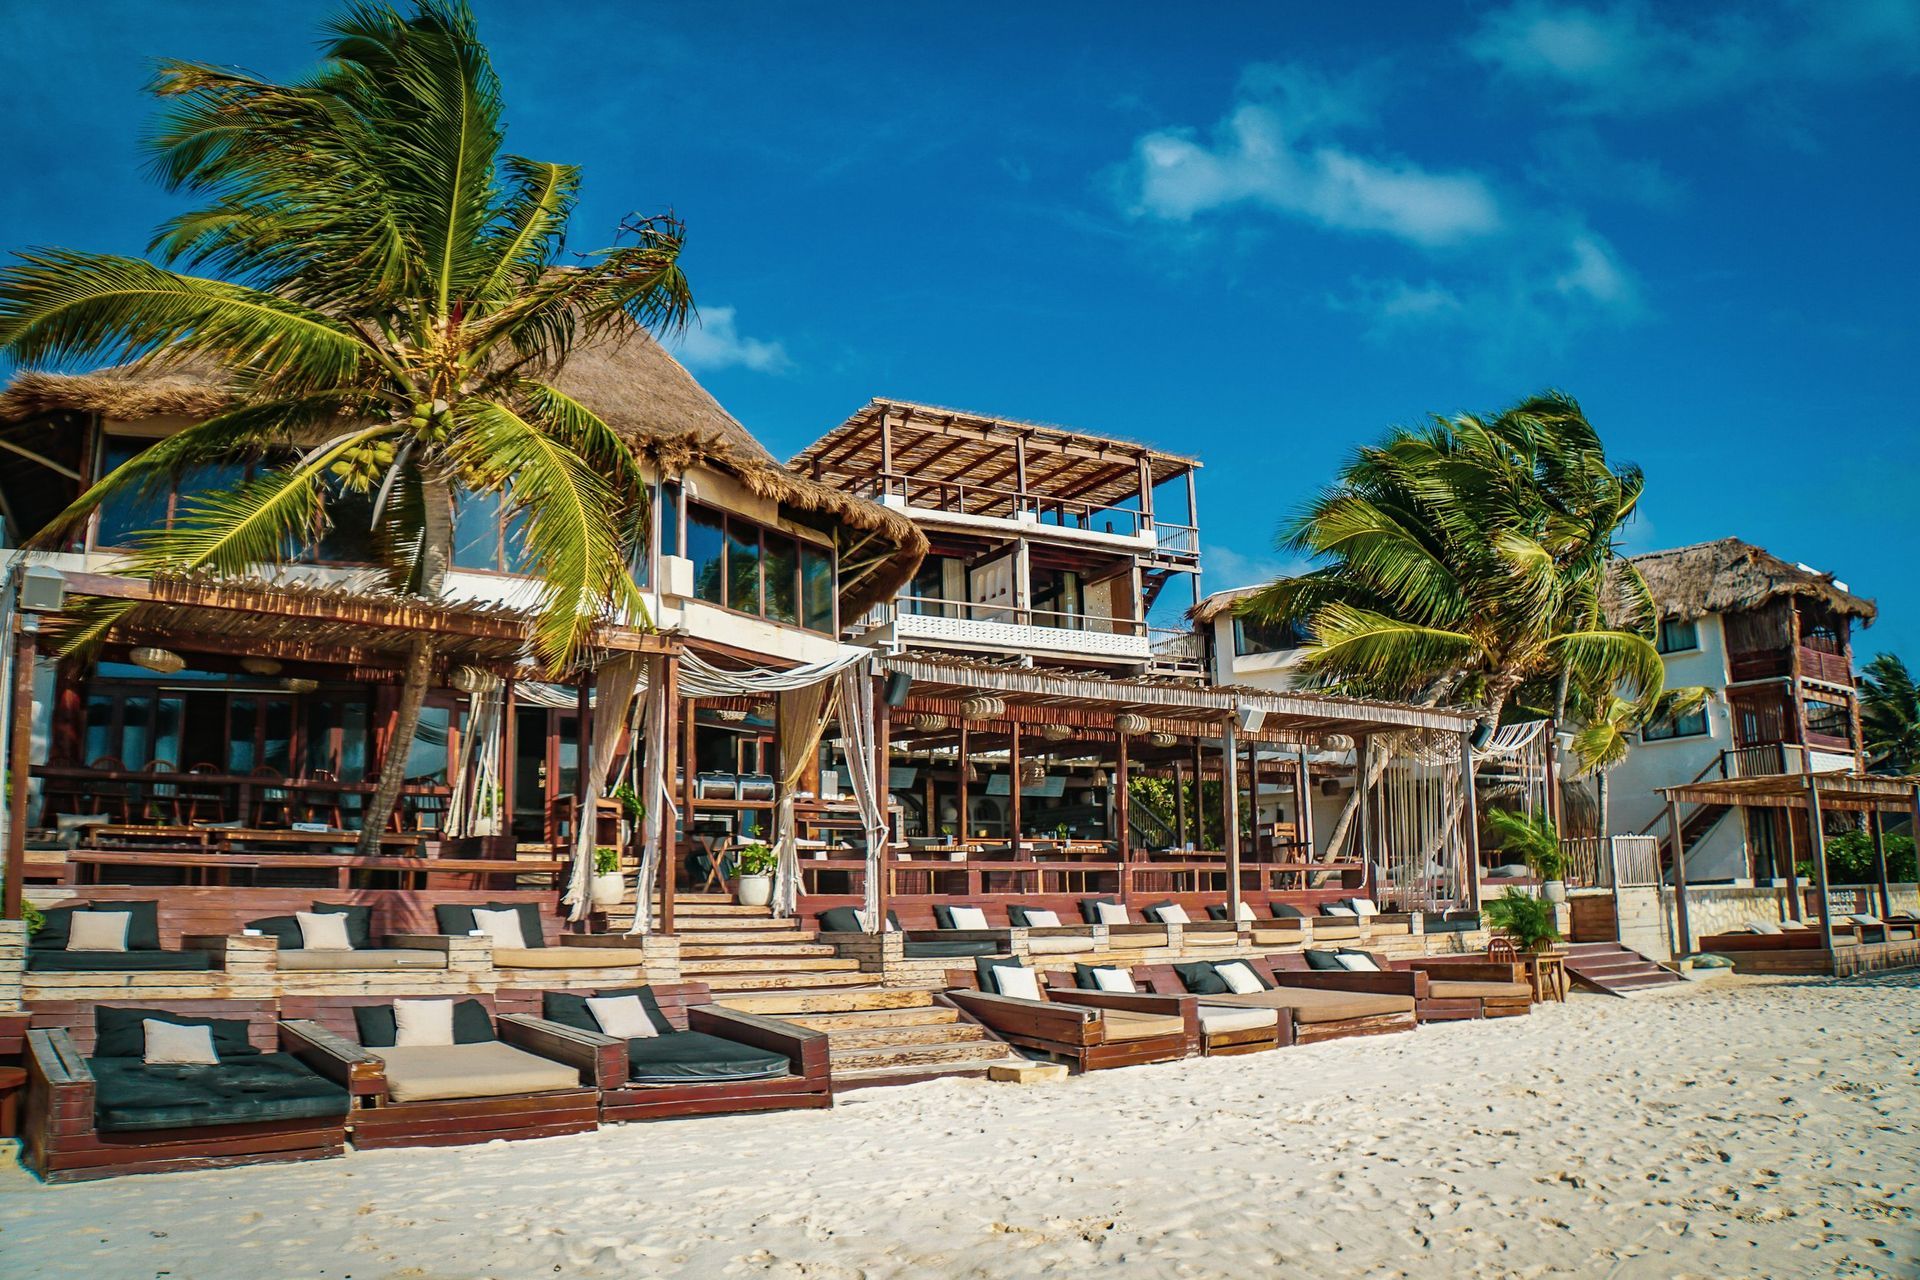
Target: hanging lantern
471,679
260,666
1056,732
165,661
1033,773
1162,739
928,722
299,684
1100,778
982,707
732,715
765,710
973,772
1131,725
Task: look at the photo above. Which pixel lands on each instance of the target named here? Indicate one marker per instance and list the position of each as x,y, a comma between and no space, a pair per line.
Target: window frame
730,527
1660,642
1648,732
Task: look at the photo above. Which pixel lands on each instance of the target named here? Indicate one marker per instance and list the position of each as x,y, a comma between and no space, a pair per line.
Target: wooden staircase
1614,970
876,1035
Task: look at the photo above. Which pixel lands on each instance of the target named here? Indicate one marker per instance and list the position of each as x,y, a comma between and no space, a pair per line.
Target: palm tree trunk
436,555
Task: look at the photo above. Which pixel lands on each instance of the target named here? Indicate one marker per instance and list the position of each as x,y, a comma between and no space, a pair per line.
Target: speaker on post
897,685
1249,718
1482,734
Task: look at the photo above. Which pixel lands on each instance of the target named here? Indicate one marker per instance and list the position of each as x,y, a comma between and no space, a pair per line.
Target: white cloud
1273,151
1227,568
714,342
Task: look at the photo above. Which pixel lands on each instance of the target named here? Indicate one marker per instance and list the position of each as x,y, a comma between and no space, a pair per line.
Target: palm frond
1375,651
1609,659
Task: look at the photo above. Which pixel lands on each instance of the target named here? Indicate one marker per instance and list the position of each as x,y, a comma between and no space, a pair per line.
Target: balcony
1768,664
1038,512
914,621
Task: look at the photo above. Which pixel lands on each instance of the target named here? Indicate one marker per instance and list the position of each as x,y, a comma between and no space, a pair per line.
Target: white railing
1608,862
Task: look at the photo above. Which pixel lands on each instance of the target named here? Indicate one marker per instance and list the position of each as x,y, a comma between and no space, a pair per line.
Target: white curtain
474,807
803,718
868,778
618,678
656,791
700,679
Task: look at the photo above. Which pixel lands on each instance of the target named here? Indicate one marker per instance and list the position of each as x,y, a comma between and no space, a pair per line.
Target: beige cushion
1107,978
1313,1005
1357,964
1037,919
1239,977
1173,913
567,957
172,1045
1111,913
1058,945
98,930
335,961
502,926
422,1022
1219,1019
323,931
1276,937
1017,981
486,1070
1210,938
1335,931
622,1017
1125,1024
968,917
1477,990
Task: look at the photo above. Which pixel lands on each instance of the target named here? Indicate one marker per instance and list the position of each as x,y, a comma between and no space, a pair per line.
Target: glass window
1678,635
1831,719
816,587
1251,637
276,750
782,571
1691,725
136,726
168,716
349,537
427,756
666,517
128,513
99,736
743,566
706,547
476,531
515,555
242,716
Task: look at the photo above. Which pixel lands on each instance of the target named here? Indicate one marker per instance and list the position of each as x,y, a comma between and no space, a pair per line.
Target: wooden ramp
1614,970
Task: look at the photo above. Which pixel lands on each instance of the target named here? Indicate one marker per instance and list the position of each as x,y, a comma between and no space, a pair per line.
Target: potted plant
1528,920
753,875
609,888
1537,843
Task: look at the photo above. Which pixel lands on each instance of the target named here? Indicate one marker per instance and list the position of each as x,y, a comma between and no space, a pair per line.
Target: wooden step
758,949
892,1036
774,964
919,1055
858,1019
724,982
849,1078
776,1003
744,924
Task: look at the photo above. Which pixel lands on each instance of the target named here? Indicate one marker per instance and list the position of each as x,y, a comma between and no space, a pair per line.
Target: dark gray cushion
375,1023
456,918
1199,978
117,961
130,1096
1449,922
284,930
1088,905
569,1008
693,1057
118,1031
1285,911
938,950
143,929
942,915
840,920
1325,962
1218,911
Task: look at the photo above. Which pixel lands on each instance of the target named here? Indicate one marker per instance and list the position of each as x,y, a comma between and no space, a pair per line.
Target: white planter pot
609,890
753,891
1554,891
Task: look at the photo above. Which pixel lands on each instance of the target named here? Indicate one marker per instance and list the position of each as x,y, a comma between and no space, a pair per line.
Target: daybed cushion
359,921
377,1028
955,949
143,930
457,919
1199,977
349,961
1464,922
967,918
1285,911
1313,1005
486,1070
1057,946
983,968
840,920
1219,1019
43,961
1125,1024
1210,938
1324,961
1090,908
98,931
120,1032
1275,937
694,1056
545,957
129,1095
569,1008
1477,990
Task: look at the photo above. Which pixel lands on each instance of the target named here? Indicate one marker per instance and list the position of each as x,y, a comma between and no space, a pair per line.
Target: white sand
1759,1129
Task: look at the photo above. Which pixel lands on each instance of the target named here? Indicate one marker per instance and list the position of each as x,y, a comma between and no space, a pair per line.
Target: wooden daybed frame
324,1027
1075,1033
1219,1044
1163,978
59,1138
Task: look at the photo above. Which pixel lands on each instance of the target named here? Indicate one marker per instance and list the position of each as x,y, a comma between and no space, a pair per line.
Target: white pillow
1862,917
323,930
1338,911
968,917
622,1016
1239,978
1363,906
502,926
1357,964
1795,924
1763,926
173,1045
1174,913
1246,912
866,923
1114,980
1111,913
1042,919
422,1022
1017,981
98,930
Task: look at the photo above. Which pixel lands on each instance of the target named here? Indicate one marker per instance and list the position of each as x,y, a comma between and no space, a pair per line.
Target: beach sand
1755,1128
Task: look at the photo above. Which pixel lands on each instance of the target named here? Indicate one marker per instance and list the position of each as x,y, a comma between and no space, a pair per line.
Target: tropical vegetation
388,295
1890,716
1850,859
1529,921
1530,837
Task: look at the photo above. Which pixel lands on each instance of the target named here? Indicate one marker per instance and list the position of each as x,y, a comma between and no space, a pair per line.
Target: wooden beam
1230,814
1817,837
1123,817
19,762
1880,862
1013,783
1680,877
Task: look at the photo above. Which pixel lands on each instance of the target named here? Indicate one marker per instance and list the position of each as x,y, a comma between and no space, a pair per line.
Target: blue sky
1259,233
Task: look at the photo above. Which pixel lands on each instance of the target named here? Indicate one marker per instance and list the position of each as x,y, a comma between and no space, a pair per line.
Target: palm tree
1468,557
386,295
1604,723
1890,716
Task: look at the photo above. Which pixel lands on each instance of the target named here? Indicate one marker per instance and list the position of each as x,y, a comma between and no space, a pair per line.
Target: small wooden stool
13,1081
1547,971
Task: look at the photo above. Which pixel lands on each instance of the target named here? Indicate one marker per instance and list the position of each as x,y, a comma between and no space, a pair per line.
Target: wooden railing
1607,862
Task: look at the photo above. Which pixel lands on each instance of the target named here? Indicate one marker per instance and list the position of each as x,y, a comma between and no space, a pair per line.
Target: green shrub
31,914
1528,920
1850,858
754,860
1532,839
606,861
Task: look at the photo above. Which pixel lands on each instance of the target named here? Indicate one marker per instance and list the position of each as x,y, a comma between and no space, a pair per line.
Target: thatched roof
636,386
1221,602
1728,576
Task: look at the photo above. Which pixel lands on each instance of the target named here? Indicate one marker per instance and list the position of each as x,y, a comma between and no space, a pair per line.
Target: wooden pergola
1872,794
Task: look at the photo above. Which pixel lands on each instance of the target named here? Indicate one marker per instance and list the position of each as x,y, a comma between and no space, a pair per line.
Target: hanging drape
474,807
701,679
617,678
656,790
856,732
803,718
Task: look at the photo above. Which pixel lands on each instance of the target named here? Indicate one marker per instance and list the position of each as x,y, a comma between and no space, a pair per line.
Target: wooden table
1547,974
218,866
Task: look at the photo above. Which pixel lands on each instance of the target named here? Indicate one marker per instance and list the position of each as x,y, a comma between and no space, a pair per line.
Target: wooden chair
161,798
326,1029
63,1140
201,802
412,812
116,798
1500,950
327,804
277,801
1081,1033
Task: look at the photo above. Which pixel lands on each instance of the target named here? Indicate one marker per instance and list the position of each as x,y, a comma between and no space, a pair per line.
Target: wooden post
1199,794
1817,837
1303,818
1362,794
669,856
1023,583
19,763
687,769
1880,861
1180,804
965,825
1253,799
1796,909
1123,815
1470,820
1230,813
1679,877
1013,784
883,772
507,770
586,815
